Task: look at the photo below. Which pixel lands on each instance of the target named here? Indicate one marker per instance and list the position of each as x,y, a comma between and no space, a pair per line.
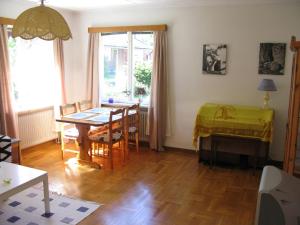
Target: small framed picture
271,58
214,59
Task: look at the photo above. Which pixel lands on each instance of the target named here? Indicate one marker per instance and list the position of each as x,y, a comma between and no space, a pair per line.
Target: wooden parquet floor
165,188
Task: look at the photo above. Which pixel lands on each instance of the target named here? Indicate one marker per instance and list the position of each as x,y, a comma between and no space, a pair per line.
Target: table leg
212,150
200,148
266,149
215,150
16,151
84,146
46,195
83,141
256,155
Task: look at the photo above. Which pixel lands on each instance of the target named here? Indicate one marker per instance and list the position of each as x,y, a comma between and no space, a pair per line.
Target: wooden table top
92,117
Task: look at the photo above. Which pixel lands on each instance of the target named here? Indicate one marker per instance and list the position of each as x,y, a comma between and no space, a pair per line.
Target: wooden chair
10,149
67,131
5,148
108,138
132,121
84,105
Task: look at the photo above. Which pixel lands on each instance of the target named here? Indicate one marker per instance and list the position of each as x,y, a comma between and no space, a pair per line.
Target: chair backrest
85,105
5,148
133,116
68,109
119,125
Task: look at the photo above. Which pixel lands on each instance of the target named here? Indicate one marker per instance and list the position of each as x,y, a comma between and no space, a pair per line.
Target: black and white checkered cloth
5,148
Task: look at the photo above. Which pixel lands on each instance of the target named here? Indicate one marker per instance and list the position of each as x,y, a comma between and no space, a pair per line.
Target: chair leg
123,150
97,149
127,146
62,143
90,150
137,141
62,148
111,156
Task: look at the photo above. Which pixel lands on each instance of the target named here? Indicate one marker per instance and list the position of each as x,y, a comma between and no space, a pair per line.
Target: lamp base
266,100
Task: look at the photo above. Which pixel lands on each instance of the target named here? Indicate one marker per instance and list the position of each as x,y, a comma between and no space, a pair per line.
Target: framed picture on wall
214,59
271,58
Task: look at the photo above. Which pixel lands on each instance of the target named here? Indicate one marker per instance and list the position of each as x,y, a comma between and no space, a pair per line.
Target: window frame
38,107
130,79
115,29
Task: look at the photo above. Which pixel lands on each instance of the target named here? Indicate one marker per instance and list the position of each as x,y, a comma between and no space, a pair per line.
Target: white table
21,178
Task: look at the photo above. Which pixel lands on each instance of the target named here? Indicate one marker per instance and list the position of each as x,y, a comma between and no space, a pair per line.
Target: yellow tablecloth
234,120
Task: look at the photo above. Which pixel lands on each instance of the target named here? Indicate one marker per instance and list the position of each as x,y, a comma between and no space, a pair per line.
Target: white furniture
15,178
278,200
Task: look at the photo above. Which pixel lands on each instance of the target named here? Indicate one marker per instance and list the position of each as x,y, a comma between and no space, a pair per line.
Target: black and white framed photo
214,59
272,58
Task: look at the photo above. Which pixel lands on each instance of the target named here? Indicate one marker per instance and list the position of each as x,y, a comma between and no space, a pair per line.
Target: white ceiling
79,5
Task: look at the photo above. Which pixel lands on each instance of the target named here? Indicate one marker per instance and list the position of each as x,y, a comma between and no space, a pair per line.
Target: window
32,72
127,67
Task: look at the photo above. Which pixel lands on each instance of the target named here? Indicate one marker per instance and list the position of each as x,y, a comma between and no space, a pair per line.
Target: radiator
36,127
143,125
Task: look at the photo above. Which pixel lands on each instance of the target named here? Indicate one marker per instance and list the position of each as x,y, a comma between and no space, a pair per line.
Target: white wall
242,28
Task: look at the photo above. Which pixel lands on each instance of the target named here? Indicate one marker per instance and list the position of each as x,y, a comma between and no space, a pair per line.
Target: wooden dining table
83,121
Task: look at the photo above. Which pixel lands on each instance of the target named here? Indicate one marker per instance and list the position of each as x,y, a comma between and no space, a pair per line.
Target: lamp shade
267,85
42,22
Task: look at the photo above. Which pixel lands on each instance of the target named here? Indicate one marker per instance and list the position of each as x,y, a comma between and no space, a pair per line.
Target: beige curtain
60,68
61,98
157,111
8,117
93,91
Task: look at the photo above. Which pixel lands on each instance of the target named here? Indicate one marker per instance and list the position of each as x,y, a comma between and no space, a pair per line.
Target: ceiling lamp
42,22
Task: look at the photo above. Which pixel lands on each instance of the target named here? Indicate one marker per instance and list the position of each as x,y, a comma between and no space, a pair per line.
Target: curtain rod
161,27
6,21
294,44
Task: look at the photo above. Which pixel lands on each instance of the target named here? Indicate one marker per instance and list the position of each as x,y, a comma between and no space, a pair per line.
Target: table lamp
267,85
